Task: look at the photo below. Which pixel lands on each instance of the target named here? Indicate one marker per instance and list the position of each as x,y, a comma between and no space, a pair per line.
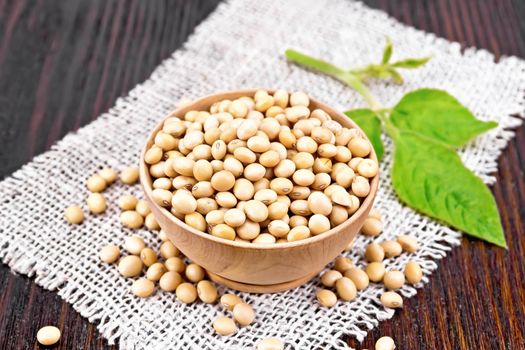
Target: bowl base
260,288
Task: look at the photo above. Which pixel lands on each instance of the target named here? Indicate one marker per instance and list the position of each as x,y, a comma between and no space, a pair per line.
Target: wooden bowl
253,267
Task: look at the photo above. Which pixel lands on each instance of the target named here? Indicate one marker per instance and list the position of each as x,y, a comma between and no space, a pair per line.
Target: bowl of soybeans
261,187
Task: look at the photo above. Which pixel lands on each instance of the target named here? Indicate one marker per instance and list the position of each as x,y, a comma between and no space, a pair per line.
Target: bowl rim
146,180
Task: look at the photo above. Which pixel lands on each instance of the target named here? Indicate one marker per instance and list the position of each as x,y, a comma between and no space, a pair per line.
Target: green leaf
398,79
438,115
387,52
411,63
431,178
371,125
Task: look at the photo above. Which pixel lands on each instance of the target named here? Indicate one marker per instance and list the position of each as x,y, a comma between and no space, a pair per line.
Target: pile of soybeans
263,169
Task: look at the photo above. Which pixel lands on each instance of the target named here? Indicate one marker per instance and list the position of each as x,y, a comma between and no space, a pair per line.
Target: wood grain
62,63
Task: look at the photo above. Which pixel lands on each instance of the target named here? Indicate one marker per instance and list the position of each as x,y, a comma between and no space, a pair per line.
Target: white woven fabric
241,45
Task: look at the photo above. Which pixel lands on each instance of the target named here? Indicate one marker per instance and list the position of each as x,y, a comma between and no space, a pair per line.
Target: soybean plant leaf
436,114
431,178
398,79
411,63
371,125
387,52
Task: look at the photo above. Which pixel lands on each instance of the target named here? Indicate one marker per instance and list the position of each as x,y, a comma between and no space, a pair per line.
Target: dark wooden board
62,63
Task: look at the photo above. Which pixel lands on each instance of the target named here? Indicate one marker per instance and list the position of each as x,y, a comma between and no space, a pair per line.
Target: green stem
314,63
361,88
383,110
345,76
364,71
383,115
350,77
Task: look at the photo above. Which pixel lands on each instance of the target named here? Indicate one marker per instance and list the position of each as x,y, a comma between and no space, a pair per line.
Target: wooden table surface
62,63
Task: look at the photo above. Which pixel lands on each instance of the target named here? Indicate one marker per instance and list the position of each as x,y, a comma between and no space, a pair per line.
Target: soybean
134,244
175,264
318,224
234,217
155,271
74,215
228,301
142,208
374,253
319,203
148,256
249,230
96,203
359,147
360,186
143,288
96,183
195,273
342,264
162,197
223,231
151,223
224,326
243,314
170,281
129,175
346,289
278,228
359,277
168,250
393,279
264,238
391,300
131,219
183,202
385,343
329,278
367,168
408,243
413,272
186,293
298,233
256,211
48,335
375,271
371,227
391,248
207,292
109,254
128,202
130,266
195,220
270,344
326,297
